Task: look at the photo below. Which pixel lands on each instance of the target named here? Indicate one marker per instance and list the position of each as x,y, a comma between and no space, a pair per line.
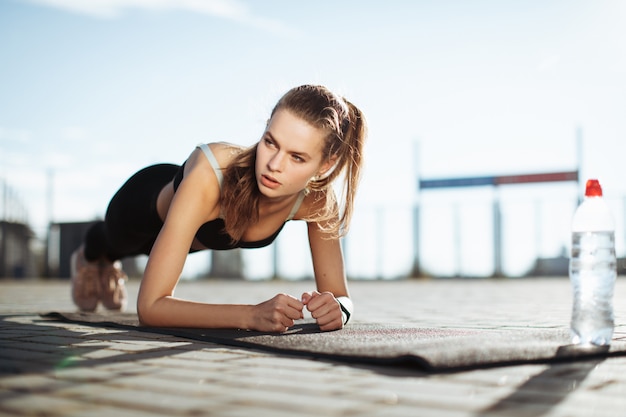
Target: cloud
226,9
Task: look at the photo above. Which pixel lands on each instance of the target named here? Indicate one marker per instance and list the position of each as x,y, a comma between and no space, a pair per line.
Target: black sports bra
212,234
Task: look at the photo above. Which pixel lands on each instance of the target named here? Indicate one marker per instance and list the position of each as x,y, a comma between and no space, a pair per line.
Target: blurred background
92,91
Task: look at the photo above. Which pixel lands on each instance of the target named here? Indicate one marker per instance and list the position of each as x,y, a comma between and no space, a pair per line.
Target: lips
269,182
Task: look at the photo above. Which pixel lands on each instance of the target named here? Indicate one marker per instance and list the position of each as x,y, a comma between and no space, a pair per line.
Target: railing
450,234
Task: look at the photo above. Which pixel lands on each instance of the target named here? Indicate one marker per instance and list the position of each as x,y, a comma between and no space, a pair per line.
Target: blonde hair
346,133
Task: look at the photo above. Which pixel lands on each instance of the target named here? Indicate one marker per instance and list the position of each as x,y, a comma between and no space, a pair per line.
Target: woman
224,197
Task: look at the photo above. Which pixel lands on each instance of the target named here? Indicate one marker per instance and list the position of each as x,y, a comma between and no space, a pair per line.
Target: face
289,155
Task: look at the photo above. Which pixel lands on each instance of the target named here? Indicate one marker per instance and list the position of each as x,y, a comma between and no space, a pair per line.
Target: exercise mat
429,349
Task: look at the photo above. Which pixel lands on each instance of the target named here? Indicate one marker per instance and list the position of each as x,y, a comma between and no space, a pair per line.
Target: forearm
175,312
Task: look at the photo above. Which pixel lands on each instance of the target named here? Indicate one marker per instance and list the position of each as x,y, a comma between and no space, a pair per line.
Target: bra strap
216,166
296,206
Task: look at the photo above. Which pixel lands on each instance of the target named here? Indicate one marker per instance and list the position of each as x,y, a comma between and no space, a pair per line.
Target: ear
327,166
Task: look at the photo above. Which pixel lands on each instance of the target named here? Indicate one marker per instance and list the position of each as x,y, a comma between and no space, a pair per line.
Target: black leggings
132,223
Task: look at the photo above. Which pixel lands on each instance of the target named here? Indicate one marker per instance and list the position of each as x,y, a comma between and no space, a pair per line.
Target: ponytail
354,140
347,146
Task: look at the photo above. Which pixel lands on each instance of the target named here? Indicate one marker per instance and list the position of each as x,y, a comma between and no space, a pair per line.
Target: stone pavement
57,369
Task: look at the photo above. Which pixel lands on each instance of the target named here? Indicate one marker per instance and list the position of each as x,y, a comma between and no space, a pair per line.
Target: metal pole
275,259
579,155
416,240
624,215
380,239
497,235
416,212
457,240
538,230
50,196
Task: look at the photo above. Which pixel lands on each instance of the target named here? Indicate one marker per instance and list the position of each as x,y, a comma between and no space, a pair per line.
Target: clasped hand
280,312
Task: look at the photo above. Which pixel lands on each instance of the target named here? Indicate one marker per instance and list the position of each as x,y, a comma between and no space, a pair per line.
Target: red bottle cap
593,189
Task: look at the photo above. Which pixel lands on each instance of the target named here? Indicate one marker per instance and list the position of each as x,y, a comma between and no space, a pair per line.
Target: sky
92,91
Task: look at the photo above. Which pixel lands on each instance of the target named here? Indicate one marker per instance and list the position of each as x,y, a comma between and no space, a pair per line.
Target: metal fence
449,234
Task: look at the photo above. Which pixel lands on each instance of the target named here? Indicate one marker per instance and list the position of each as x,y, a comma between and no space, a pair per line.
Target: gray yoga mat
428,349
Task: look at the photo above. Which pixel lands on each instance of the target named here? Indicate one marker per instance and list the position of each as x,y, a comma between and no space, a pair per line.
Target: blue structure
498,180
492,181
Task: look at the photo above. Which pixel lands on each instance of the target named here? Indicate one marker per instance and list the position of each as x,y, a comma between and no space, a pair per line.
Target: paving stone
38,404
65,369
106,410
30,383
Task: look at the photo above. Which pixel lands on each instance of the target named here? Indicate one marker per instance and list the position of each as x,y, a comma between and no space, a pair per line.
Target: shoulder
225,152
200,186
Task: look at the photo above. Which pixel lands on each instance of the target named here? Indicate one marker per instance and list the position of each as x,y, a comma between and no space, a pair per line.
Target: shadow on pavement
37,358
543,392
37,347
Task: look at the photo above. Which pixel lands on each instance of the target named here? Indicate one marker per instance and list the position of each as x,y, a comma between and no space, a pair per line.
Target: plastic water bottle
592,269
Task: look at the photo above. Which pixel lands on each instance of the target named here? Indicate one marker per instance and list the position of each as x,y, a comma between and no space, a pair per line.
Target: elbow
146,312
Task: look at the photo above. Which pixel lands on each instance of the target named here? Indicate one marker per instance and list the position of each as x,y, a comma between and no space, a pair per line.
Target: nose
276,162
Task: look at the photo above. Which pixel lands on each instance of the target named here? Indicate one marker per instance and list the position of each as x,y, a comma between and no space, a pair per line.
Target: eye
297,158
268,142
